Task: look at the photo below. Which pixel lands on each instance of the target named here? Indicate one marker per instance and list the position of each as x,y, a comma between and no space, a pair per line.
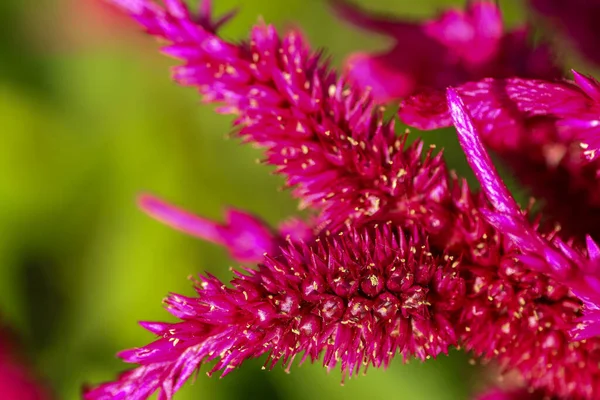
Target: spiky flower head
356,299
445,266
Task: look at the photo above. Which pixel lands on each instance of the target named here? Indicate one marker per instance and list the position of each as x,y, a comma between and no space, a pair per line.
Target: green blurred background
89,119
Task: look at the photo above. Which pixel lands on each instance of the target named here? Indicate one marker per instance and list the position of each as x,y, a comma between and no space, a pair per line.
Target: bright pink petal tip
479,159
588,84
179,219
245,236
593,249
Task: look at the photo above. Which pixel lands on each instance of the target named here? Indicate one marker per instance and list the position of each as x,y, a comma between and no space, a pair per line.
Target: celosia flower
577,20
246,237
358,299
346,163
457,47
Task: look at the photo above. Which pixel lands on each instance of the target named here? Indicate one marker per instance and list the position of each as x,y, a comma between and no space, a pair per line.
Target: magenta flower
457,47
246,237
545,131
541,252
575,19
518,106
405,258
358,299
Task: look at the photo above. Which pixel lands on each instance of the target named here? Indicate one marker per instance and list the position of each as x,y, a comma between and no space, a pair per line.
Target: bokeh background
88,120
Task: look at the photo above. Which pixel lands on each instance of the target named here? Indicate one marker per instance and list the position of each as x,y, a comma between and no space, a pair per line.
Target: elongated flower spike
356,299
246,237
554,257
457,47
346,163
331,143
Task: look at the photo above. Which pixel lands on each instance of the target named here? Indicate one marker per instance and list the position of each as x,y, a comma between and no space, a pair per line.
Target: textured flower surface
246,237
330,142
534,320
405,257
358,299
457,47
545,132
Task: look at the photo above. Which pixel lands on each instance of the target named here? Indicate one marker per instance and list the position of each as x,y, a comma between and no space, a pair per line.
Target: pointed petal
593,249
179,219
479,159
588,84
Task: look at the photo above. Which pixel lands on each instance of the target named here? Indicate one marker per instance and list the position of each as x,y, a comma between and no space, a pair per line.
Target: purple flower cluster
400,255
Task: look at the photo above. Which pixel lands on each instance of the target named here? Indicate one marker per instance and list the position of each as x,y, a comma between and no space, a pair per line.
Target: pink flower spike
341,300
246,237
479,159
